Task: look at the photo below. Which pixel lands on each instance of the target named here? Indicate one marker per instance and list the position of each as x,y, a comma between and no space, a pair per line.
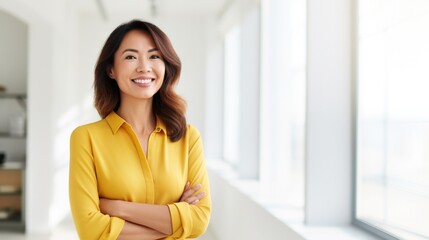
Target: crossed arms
147,221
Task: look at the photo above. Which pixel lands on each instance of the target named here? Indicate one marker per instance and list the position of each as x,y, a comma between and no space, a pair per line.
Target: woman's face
138,66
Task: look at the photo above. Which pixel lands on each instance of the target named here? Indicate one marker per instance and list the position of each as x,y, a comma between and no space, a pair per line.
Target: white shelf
12,166
20,97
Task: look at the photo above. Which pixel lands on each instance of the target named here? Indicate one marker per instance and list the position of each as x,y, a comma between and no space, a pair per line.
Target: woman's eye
155,57
130,57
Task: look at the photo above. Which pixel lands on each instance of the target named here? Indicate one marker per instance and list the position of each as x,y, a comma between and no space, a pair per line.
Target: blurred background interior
314,114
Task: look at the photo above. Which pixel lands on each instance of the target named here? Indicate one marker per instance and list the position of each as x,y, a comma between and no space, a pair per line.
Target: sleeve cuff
180,220
116,227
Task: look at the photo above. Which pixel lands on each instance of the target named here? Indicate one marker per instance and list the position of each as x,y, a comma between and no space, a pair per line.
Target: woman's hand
189,194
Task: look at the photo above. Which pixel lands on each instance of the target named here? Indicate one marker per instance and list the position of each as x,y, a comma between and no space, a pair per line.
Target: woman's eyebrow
153,50
130,50
136,51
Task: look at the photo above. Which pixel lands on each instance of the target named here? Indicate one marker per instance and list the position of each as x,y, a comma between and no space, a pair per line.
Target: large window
392,177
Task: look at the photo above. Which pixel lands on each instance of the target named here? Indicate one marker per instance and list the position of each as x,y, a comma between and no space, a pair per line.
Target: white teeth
146,81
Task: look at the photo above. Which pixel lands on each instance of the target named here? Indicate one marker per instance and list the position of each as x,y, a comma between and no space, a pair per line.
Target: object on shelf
2,157
6,213
17,125
2,88
9,189
20,97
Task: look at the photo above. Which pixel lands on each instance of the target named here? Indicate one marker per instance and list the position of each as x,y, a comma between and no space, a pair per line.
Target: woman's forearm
152,216
149,215
132,231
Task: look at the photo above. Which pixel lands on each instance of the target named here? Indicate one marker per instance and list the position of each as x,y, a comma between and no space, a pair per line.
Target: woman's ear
110,73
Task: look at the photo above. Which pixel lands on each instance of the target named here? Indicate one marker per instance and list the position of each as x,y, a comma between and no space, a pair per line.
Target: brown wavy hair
167,104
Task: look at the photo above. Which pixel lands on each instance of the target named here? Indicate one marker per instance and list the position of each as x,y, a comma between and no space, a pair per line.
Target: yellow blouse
106,160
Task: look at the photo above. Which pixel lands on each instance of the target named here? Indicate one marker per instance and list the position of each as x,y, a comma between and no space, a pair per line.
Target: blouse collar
115,122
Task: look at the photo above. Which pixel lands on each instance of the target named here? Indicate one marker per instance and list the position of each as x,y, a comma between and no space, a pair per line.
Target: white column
329,112
248,166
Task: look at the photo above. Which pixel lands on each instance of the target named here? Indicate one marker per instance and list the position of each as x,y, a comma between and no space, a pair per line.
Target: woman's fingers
187,185
189,194
195,199
185,189
190,191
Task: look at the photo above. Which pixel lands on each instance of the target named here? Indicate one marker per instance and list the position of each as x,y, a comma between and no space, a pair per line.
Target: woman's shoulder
192,132
192,129
89,127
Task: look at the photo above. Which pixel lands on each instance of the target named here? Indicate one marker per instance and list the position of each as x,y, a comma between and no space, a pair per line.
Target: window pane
393,117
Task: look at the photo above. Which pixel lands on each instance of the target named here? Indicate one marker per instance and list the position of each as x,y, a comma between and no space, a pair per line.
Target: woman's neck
139,115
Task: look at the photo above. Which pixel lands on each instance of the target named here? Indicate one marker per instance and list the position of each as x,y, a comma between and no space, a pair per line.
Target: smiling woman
139,173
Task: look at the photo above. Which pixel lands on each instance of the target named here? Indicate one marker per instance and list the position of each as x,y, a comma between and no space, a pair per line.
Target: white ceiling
145,7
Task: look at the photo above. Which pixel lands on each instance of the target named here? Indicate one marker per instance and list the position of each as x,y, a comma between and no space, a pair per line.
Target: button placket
150,191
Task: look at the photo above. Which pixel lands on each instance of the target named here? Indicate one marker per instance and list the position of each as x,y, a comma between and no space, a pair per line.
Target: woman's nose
144,66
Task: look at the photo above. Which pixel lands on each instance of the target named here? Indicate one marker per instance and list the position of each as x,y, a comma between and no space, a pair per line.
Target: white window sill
293,218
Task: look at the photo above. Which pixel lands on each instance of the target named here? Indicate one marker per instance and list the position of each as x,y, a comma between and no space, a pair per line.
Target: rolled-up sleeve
84,200
190,221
